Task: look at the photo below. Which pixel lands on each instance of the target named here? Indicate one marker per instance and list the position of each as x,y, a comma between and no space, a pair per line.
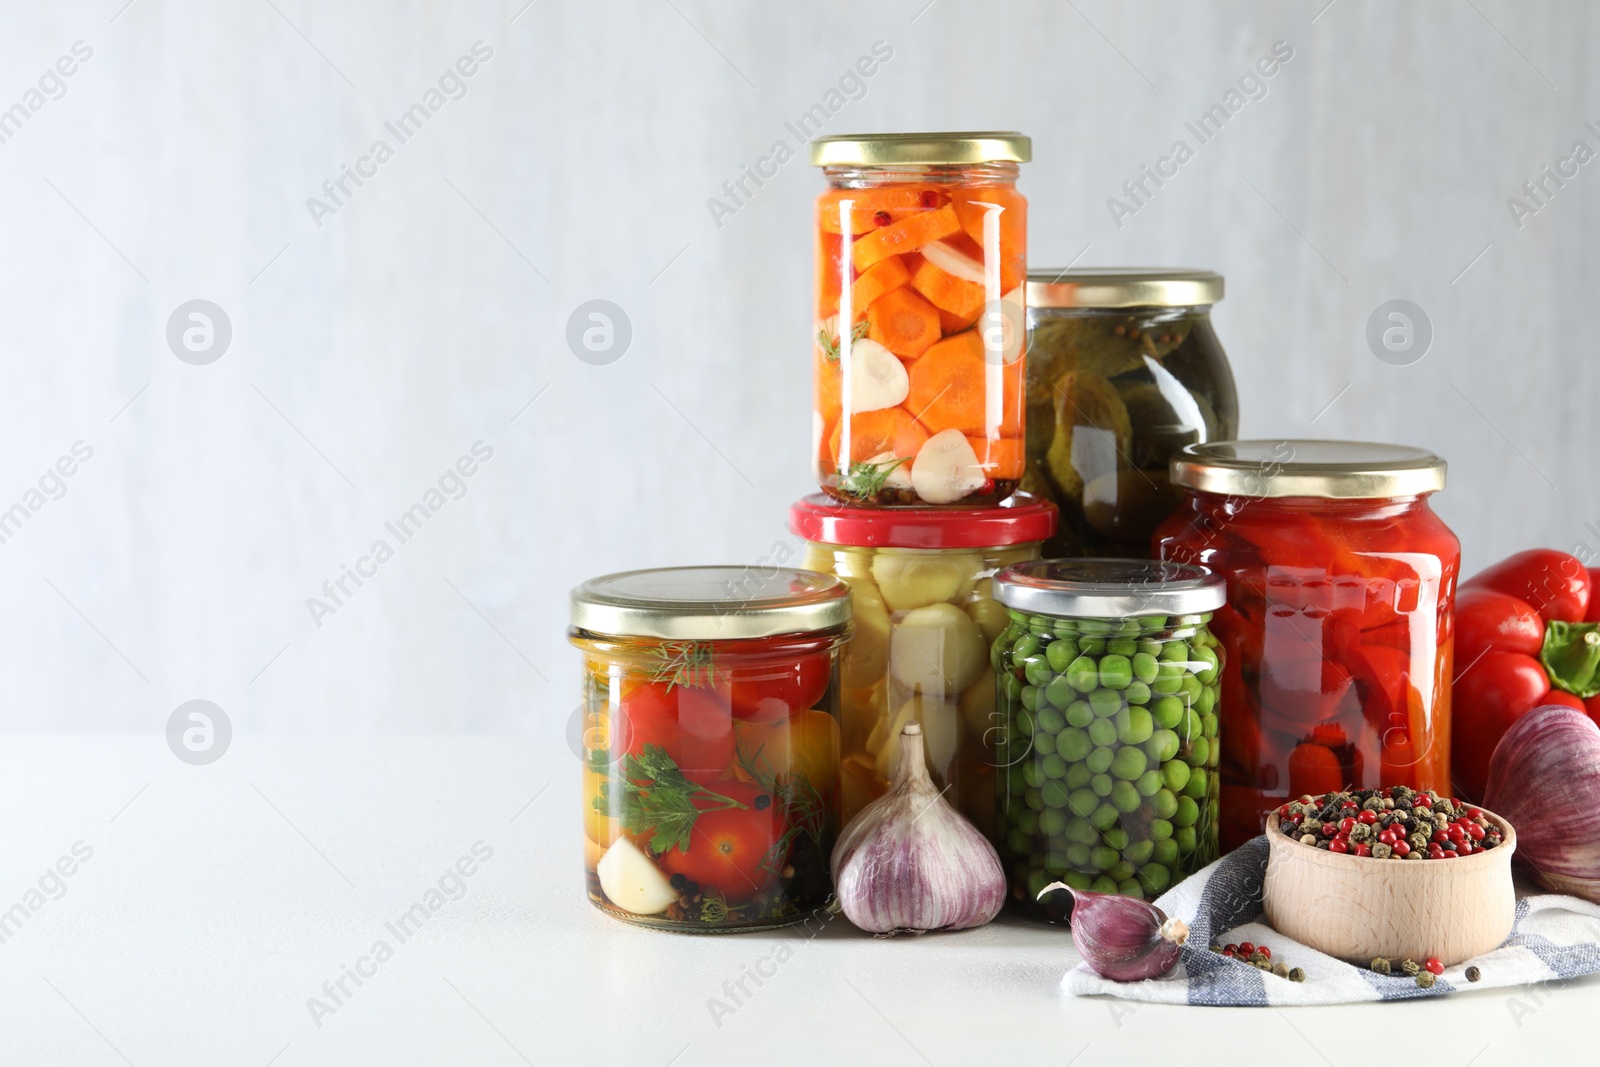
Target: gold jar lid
1123,287
710,603
1337,470
920,149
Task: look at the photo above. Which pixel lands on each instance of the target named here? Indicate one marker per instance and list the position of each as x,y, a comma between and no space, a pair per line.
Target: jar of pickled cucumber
917,344
710,744
1124,370
1107,679
920,581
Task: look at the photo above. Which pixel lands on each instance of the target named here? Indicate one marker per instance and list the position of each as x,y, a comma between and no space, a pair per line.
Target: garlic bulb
1544,779
1124,939
909,862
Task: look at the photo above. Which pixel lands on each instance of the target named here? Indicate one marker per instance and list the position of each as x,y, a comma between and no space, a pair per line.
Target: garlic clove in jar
1122,938
909,862
633,883
937,649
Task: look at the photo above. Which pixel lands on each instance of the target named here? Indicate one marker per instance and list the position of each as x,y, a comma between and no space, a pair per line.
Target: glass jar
710,743
1339,621
924,621
1124,370
920,327
1107,681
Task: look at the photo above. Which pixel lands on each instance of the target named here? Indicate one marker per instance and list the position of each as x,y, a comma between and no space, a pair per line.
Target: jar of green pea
1105,731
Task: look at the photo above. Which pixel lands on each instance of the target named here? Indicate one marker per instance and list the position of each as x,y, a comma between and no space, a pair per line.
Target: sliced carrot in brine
949,384
903,322
961,298
872,433
884,276
1000,457
828,268
907,235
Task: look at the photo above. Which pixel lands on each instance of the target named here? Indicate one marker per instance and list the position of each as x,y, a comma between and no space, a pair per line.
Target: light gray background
368,354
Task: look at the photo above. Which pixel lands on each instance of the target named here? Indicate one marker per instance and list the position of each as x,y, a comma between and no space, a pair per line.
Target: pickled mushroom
937,649
867,653
941,735
911,578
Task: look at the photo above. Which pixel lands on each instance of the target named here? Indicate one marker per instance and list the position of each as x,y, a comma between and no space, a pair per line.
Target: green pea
1059,692
1121,872
1152,623
1024,648
1116,837
1127,628
1167,712
1207,701
1083,802
1175,652
1099,761
1057,863
1162,746
1200,753
1091,646
1156,877
1188,811
1166,685
1013,689
1035,801
1054,767
1176,774
1129,887
1083,674
1040,624
1160,830
1139,852
1166,852
1209,668
1033,775
1038,672
1096,627
1044,744
1134,726
1151,646
1079,829
1122,646
1136,693
1079,713
1032,697
1105,702
1078,774
1189,728
1103,732
1049,720
1104,817
1018,618
1186,840
1101,785
1016,784
1065,628
1018,843
1060,652
1077,856
1079,880
1208,725
1073,744
1052,821
1129,763
1125,798
1055,795
1115,672
1036,883
1165,803
1149,782
1196,788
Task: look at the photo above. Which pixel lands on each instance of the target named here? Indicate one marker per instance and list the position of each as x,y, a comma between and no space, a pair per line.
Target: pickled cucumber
1092,431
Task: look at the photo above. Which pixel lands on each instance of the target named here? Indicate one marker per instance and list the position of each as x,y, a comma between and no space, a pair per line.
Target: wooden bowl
1357,908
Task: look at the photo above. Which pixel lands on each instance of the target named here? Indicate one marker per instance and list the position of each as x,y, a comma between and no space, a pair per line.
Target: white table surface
218,899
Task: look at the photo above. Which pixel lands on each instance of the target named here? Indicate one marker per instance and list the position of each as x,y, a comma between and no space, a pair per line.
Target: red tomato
693,725
771,689
726,846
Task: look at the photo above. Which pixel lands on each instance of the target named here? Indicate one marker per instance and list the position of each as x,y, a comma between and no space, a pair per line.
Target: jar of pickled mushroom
1339,621
1124,370
1107,680
920,324
710,743
920,580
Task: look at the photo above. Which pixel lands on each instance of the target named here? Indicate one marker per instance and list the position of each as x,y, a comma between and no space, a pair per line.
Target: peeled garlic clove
909,862
877,377
946,468
938,650
1544,779
631,882
1123,938
899,476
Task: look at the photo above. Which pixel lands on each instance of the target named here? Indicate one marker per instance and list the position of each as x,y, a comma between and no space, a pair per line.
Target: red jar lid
1016,521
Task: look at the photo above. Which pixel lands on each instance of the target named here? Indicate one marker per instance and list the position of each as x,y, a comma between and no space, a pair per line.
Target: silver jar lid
710,603
1335,470
1123,287
1109,588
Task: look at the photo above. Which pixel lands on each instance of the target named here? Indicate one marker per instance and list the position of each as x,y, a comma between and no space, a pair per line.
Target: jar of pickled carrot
921,244
710,743
925,616
1339,622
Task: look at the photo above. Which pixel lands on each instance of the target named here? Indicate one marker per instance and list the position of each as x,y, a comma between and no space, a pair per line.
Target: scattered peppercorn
1391,823
1381,965
1297,974
1432,963
1473,974
1425,979
1409,967
763,802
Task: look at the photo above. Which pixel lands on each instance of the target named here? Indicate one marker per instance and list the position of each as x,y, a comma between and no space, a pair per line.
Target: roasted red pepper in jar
1527,634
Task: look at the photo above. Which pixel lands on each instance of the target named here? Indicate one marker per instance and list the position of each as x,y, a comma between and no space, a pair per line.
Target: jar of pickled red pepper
710,743
920,318
1124,370
1107,681
920,580
1339,621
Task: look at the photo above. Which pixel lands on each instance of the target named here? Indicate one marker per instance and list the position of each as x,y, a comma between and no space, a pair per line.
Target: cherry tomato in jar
693,726
768,688
805,744
727,846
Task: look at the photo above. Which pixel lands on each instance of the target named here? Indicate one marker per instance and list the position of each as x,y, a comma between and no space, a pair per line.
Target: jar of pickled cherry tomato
920,579
919,334
710,743
1124,370
1339,621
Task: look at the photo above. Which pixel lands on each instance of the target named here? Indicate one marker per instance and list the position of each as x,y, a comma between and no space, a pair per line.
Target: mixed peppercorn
1425,973
1260,957
1390,823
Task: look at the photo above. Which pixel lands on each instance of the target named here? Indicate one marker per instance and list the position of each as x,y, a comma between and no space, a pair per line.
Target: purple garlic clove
1123,938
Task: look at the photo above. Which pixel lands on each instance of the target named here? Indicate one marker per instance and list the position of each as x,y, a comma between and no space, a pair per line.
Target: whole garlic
909,862
1544,779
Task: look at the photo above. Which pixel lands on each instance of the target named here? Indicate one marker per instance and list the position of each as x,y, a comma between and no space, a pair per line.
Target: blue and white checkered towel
1553,938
